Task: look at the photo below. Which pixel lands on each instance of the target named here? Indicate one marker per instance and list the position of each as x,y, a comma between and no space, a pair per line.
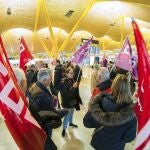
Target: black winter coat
30,78
118,123
69,93
42,99
42,104
58,75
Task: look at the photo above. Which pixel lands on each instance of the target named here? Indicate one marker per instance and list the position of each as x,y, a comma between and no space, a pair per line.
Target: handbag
51,119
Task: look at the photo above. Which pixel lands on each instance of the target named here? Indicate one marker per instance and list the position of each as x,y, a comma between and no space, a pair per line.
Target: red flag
25,55
26,132
143,109
124,59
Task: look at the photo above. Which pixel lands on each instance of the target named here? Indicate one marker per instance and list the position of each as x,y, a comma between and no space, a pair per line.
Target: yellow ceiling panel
103,19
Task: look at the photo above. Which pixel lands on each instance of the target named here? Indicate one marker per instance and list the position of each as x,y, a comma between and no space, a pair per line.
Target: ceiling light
8,11
69,13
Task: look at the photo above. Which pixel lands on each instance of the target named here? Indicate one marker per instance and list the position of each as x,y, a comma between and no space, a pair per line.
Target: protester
40,64
21,78
42,98
58,75
94,77
69,98
20,75
31,75
77,74
112,116
104,82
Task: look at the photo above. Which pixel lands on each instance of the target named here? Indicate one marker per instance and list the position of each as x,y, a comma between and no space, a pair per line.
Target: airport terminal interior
90,34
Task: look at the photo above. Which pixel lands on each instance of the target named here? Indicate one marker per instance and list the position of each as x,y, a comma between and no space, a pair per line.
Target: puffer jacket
115,125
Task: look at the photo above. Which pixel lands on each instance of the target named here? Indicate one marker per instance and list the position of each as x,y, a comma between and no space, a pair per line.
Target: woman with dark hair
112,116
69,98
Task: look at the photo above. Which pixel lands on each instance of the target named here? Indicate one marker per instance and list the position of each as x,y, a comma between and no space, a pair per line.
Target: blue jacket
115,125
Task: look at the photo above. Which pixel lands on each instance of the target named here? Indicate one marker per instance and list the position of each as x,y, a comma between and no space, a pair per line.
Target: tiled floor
6,142
76,138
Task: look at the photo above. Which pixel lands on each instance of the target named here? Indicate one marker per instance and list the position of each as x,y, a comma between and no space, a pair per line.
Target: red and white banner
26,132
25,55
143,107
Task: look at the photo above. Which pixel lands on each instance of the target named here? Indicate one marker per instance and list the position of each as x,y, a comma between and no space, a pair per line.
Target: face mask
70,75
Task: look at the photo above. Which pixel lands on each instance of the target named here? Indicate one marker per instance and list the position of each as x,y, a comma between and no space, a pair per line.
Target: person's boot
63,132
73,125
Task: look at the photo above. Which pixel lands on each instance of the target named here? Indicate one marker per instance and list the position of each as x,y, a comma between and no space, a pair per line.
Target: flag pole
113,67
78,75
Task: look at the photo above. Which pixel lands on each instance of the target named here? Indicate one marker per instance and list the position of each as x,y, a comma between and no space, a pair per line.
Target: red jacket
102,87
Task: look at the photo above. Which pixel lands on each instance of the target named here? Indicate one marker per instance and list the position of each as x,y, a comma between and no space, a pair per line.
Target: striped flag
24,129
143,108
82,52
25,55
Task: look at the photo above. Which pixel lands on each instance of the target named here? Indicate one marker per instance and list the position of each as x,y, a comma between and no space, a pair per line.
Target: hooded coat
115,124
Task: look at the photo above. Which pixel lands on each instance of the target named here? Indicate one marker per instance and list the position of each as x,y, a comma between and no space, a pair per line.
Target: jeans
68,118
63,112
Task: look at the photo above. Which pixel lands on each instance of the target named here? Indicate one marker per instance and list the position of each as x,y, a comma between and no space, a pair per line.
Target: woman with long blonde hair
112,116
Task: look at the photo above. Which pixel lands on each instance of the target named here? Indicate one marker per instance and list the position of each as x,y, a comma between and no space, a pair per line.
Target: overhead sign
93,41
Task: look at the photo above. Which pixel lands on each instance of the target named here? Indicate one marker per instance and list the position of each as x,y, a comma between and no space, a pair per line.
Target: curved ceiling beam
37,15
49,25
75,27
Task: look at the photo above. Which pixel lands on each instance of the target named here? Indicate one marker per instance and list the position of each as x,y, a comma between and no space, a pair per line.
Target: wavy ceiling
105,18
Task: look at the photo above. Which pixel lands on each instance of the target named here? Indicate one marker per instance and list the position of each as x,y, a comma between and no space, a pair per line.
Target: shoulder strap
31,98
96,130
43,88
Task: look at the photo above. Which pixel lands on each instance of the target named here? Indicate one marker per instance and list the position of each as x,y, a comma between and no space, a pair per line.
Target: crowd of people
110,110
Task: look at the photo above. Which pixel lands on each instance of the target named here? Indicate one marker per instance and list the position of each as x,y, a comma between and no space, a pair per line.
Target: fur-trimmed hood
35,90
38,89
110,118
